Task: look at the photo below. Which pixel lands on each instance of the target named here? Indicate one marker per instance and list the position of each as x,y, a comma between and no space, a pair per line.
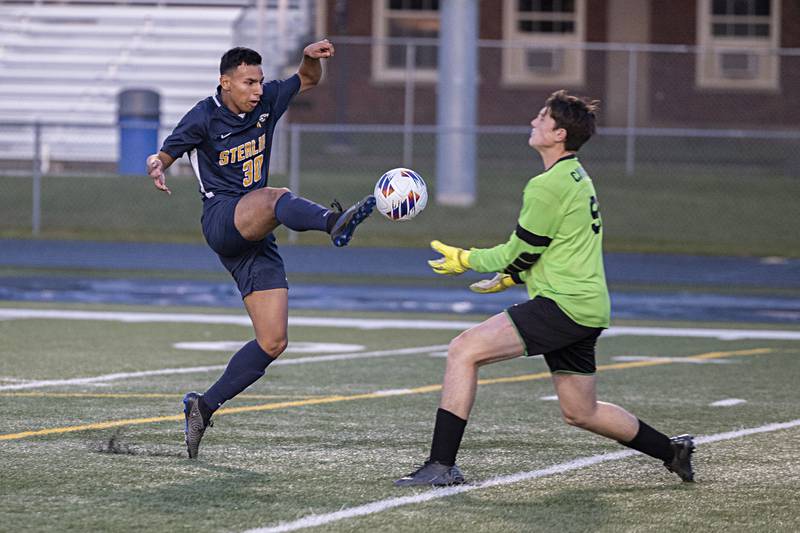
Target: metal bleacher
63,64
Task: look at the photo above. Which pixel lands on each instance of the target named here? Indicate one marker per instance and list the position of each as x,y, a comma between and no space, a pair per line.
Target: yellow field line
365,396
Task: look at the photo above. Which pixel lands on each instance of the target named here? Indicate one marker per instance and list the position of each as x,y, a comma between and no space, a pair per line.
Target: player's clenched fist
319,50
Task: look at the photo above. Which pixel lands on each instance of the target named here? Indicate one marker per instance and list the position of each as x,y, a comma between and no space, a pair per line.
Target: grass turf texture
265,467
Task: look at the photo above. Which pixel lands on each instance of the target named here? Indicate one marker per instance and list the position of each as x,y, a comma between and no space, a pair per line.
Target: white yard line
293,347
355,323
373,323
196,369
722,334
108,377
240,320
727,402
433,494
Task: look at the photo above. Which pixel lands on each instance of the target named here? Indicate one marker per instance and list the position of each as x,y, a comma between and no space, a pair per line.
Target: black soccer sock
244,368
299,214
205,410
331,219
447,434
651,442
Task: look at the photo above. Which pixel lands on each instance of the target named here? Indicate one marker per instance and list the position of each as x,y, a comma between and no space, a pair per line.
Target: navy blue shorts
254,265
568,347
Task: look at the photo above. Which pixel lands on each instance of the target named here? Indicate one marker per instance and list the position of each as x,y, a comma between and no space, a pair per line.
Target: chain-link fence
678,166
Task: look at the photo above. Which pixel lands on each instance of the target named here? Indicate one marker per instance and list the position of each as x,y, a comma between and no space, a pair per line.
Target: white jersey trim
196,168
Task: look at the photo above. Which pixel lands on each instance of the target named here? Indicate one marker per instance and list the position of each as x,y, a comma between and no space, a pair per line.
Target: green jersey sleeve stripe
532,238
523,262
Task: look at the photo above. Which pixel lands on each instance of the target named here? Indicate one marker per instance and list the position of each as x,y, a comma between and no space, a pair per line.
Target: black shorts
254,265
544,328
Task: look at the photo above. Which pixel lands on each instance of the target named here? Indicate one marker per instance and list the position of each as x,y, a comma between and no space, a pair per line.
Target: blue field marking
625,305
660,271
628,268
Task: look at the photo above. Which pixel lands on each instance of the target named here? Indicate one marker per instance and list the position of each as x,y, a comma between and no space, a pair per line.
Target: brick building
698,63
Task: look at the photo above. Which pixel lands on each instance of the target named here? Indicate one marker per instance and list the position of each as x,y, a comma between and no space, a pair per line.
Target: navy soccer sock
299,214
244,368
447,434
651,442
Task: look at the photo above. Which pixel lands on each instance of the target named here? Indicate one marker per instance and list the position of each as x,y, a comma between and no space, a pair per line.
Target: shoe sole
414,483
192,415
360,215
685,454
688,477
446,479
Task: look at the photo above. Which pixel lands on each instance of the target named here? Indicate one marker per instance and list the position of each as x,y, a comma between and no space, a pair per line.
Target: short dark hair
238,56
575,114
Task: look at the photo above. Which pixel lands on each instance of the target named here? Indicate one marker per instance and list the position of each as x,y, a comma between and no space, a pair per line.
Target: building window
399,19
737,40
546,35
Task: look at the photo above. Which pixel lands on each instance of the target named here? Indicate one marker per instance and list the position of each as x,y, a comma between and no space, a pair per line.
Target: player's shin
651,442
245,367
299,214
447,435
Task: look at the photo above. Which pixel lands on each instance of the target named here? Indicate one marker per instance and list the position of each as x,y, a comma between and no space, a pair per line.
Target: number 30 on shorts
252,170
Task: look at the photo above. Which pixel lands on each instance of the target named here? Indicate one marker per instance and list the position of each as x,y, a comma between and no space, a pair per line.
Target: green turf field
324,435
709,196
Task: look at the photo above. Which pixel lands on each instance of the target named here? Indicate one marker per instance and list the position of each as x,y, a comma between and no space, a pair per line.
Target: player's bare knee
460,351
274,346
571,420
457,347
576,418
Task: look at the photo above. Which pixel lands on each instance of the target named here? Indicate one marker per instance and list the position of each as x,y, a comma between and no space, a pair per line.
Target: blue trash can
138,118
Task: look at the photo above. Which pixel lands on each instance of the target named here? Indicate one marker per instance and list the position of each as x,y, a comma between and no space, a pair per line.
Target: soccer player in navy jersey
228,137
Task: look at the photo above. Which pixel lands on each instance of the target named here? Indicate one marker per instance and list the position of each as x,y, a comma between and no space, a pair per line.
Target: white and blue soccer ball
400,194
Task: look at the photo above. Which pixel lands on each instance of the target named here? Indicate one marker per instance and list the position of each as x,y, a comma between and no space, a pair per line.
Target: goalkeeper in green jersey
556,251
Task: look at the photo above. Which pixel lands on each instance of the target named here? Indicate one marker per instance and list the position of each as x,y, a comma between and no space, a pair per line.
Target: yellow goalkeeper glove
498,283
454,260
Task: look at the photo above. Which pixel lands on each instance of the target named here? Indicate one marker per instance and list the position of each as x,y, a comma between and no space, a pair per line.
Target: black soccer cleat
195,425
433,474
342,230
681,463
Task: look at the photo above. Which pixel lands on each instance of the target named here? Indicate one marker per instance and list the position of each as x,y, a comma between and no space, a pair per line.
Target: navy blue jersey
230,153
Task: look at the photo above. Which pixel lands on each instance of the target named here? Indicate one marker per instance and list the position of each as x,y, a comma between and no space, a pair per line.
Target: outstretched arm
156,165
310,70
454,260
